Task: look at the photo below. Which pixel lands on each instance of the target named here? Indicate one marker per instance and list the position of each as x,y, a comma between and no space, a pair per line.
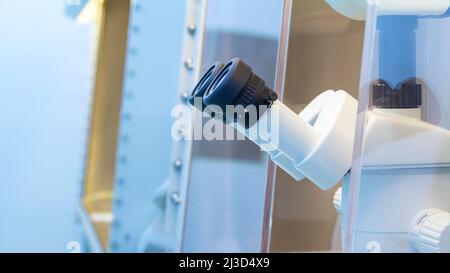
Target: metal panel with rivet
144,161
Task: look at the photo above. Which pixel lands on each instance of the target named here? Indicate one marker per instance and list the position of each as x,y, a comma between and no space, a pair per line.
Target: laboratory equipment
399,177
396,196
227,213
304,145
316,42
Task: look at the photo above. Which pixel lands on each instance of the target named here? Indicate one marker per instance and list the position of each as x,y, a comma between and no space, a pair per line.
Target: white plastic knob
430,232
337,201
356,9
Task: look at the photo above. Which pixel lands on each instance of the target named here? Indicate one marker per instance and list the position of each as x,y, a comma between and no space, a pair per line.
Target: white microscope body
404,186
316,143
405,182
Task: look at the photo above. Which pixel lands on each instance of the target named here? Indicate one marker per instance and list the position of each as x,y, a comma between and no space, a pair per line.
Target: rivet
189,63
115,224
131,73
185,96
123,160
137,7
135,29
192,28
120,181
127,116
129,95
133,51
176,197
114,246
177,163
125,138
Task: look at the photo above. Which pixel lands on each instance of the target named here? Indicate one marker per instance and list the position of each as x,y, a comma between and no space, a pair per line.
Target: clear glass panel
227,189
398,190
324,52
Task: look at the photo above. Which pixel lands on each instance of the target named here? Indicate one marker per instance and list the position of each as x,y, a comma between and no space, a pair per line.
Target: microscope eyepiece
233,84
237,85
235,94
204,82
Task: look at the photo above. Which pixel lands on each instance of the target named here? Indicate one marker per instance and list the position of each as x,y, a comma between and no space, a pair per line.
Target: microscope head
237,86
316,144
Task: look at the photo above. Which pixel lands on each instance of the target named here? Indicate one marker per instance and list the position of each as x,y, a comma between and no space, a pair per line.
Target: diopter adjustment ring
256,93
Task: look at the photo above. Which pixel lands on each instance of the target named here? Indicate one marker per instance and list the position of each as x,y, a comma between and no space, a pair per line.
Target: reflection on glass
228,179
324,52
399,187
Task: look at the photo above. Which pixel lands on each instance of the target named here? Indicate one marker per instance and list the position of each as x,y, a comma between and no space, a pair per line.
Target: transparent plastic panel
324,53
228,179
396,197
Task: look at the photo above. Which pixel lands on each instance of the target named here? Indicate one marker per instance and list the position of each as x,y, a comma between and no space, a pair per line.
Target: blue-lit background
47,83
45,91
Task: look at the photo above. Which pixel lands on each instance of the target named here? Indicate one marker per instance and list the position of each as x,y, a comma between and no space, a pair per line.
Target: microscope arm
316,144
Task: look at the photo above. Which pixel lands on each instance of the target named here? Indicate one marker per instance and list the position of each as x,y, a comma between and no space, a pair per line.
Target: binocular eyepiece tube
294,143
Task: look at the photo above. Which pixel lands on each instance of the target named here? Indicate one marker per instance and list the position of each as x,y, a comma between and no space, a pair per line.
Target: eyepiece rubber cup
228,84
237,85
205,81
